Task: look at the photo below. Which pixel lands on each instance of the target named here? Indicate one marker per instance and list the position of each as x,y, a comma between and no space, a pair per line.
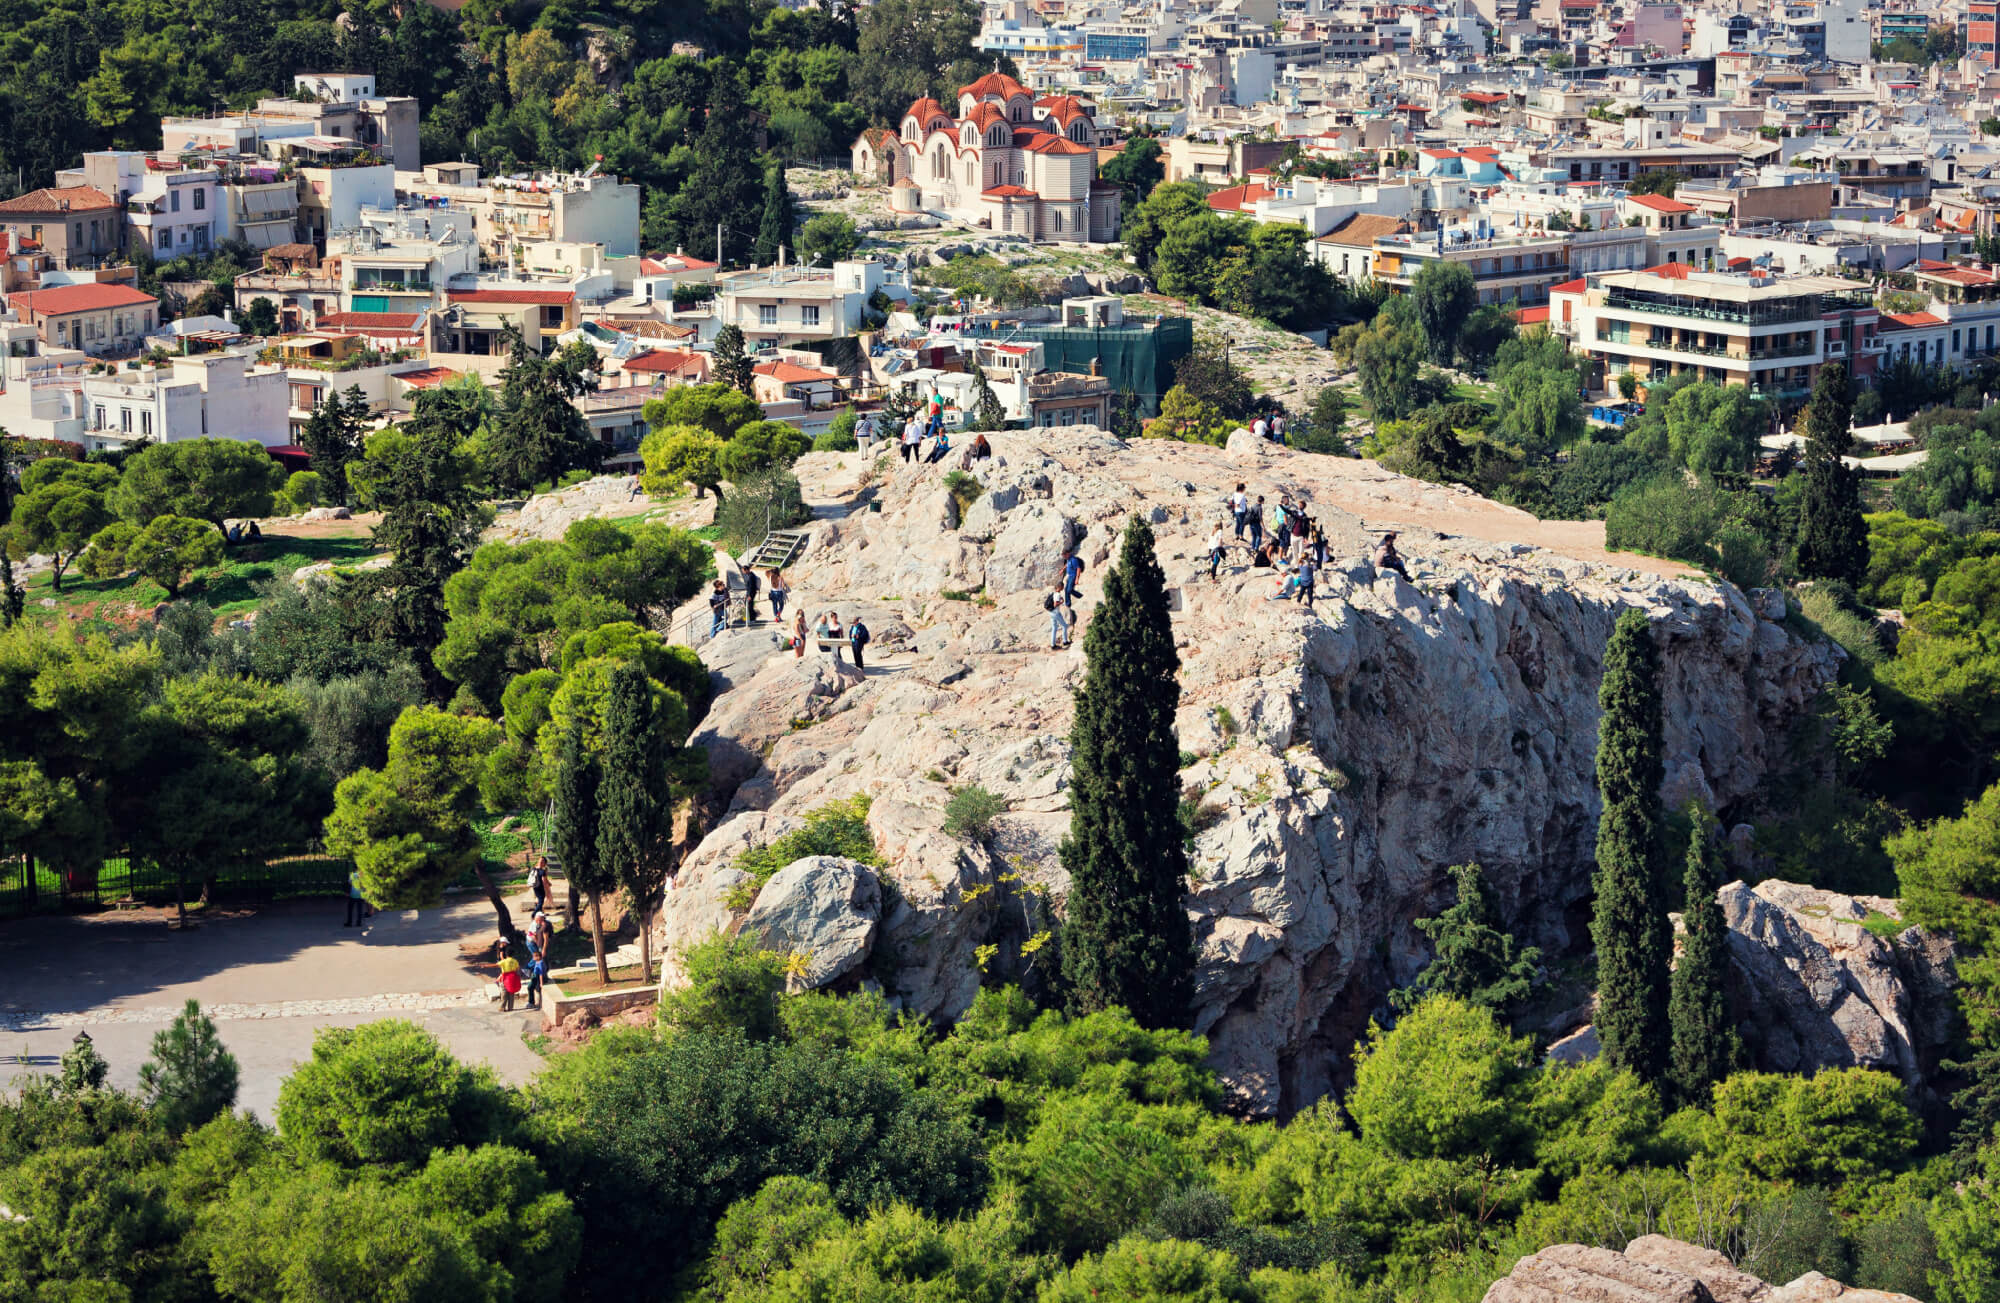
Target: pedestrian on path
718,607
1257,524
1216,545
751,583
510,978
538,882
1060,623
357,906
857,638
799,634
1072,570
913,434
1307,575
1239,507
779,592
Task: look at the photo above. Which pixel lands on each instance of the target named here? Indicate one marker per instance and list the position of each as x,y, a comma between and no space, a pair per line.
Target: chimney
1093,366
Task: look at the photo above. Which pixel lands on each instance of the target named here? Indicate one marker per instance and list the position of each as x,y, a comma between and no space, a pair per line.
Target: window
1058,217
200,200
97,417
79,233
767,314
166,239
809,315
125,419
173,201
1954,341
145,423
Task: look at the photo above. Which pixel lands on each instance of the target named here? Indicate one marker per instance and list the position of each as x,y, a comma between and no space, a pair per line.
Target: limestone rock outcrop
1655,1269
822,912
1820,989
1342,757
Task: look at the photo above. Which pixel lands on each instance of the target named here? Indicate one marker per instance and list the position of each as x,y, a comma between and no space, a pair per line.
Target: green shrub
732,984
839,436
971,811
837,828
964,490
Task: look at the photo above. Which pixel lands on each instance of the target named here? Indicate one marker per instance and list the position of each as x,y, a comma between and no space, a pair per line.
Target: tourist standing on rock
778,593
538,882
1072,570
1239,507
1281,524
1257,523
718,607
857,638
1307,576
1261,429
1059,619
799,634
1216,544
1278,427
913,434
750,586
830,630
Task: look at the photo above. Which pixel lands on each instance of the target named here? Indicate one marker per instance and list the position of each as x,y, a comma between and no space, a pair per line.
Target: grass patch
622,979
1881,925
230,588
537,1042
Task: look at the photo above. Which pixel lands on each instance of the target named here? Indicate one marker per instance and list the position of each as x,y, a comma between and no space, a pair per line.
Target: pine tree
1474,961
987,413
1127,940
191,1079
1833,538
1634,941
635,819
730,360
775,229
573,832
1705,1047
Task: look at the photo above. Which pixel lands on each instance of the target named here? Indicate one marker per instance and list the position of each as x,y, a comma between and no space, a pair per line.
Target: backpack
857,633
1048,601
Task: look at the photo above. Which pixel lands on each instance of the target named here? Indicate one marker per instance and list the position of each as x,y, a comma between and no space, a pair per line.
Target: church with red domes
1007,161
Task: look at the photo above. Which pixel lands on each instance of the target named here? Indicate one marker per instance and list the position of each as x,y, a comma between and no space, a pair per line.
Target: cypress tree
635,820
775,229
731,362
1705,1046
1127,940
1833,538
1634,940
573,831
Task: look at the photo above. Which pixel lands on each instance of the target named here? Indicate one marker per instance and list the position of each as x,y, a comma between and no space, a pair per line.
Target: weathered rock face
1821,990
1655,1269
1344,756
822,911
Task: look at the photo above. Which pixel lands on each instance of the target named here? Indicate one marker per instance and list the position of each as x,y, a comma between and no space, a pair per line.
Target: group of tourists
828,633
1297,545
529,971
1270,426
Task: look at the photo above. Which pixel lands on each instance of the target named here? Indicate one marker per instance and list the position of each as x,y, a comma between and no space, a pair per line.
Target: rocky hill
1655,1269
1342,756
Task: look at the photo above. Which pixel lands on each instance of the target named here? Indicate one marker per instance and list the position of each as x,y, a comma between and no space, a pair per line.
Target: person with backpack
750,586
1059,619
538,882
1303,591
857,638
1256,523
1072,570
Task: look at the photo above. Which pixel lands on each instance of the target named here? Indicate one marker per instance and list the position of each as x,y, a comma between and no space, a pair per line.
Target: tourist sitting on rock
980,449
1261,558
939,449
1387,558
1288,582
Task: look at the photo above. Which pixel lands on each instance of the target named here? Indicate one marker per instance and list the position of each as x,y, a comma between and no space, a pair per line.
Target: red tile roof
791,373
1062,108
1913,320
1577,286
526,298
667,361
429,377
1009,192
994,83
60,199
985,114
1058,145
65,299
1239,197
364,321
1673,271
672,262
1661,204
1363,229
1483,97
925,109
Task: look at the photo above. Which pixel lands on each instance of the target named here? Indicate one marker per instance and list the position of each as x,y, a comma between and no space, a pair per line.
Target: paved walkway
270,979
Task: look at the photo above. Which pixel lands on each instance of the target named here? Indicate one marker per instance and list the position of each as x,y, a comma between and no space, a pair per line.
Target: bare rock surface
822,911
1819,989
1655,1269
1342,757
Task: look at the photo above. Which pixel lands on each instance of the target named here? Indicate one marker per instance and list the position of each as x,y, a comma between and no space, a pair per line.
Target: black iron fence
29,886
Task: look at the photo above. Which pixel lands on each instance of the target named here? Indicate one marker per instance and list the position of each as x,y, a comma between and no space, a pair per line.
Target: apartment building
1505,268
78,226
578,208
387,266
1770,334
788,306
220,394
174,210
330,106
101,320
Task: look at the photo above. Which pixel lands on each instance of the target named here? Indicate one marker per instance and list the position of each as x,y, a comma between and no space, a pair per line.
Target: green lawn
230,588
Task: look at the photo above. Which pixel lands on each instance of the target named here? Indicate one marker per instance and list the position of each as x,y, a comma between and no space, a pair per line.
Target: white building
211,394
176,213
782,306
576,208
